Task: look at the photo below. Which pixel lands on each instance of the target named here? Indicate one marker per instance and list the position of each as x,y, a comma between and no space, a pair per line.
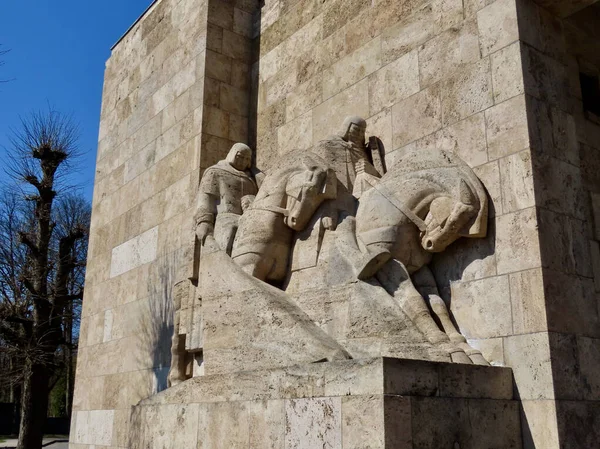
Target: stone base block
374,403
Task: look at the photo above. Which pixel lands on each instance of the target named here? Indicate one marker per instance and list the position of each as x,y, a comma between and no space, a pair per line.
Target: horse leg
255,264
427,286
396,280
365,260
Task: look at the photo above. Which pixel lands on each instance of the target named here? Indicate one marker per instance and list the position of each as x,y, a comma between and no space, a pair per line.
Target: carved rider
226,190
346,152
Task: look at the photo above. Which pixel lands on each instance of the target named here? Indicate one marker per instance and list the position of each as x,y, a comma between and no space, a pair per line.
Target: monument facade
317,222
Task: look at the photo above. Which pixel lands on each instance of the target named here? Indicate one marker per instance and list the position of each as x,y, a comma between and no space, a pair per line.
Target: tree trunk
69,358
34,407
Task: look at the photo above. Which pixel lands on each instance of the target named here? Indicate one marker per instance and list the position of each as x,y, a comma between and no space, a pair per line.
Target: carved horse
425,202
288,197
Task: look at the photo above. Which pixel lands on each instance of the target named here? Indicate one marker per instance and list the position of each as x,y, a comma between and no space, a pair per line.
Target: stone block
565,367
352,68
448,52
337,405
212,93
305,97
242,22
559,187
236,46
408,34
313,422
516,172
466,138
489,175
517,245
234,100
507,72
545,78
528,302
467,92
280,85
529,355
539,429
497,25
564,244
305,37
266,421
135,252
595,255
416,116
489,416
481,308
356,34
589,361
341,12
507,127
564,136
394,82
448,13
240,75
570,304
362,422
238,128
590,167
216,122
271,118
578,423
218,66
94,427
297,134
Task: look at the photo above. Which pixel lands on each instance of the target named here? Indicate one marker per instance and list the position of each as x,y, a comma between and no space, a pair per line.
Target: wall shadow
156,322
466,259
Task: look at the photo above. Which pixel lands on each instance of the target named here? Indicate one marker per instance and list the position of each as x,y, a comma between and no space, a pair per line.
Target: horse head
306,190
449,218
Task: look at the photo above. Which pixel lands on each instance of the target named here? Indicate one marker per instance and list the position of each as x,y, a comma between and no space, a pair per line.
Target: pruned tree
43,227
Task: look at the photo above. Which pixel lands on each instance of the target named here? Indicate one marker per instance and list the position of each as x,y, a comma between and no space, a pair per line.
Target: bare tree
42,258
2,53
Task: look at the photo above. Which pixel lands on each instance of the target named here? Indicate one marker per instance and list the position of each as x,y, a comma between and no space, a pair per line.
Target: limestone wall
424,73
497,81
562,365
175,99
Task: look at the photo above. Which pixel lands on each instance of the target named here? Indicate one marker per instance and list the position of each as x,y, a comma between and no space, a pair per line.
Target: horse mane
447,170
283,167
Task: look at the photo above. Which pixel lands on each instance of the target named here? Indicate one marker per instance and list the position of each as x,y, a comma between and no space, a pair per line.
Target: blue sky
58,51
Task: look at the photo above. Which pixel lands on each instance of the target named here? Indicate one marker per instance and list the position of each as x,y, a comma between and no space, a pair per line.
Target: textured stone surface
136,252
515,115
338,405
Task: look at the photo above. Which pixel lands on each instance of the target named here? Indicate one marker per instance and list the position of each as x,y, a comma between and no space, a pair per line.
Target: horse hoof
457,355
478,359
474,354
460,357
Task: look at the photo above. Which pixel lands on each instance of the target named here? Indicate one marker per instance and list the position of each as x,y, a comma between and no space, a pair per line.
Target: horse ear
465,193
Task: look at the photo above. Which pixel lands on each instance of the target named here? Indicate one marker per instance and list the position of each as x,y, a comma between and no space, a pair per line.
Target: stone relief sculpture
345,240
287,200
421,206
226,190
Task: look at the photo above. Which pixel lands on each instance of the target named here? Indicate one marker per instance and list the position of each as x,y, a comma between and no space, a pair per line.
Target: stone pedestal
371,403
